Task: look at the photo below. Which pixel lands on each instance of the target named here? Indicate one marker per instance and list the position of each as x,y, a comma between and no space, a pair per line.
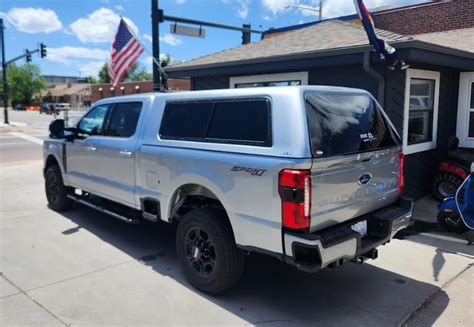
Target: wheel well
51,161
190,196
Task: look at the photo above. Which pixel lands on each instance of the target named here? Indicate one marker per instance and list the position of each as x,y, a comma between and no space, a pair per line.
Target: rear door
116,159
355,157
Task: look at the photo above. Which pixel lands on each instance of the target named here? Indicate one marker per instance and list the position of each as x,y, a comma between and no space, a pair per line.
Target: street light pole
4,74
303,7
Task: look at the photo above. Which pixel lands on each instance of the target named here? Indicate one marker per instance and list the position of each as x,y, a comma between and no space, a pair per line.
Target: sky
78,33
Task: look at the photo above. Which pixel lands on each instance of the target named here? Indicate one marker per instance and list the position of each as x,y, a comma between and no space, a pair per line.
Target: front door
82,154
465,121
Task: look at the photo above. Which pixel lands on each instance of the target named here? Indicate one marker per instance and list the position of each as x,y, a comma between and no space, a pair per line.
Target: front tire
207,251
56,191
451,222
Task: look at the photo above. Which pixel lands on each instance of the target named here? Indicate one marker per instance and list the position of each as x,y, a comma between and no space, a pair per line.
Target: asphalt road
85,268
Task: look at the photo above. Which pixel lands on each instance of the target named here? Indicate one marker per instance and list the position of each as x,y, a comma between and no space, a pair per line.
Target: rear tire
451,222
207,251
56,191
446,184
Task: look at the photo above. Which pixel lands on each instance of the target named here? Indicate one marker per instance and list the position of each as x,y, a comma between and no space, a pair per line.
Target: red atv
453,171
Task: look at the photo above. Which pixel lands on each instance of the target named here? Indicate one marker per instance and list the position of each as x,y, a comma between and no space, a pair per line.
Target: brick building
100,91
435,16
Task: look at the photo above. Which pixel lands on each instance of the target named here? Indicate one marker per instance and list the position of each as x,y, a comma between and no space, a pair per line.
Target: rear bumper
338,244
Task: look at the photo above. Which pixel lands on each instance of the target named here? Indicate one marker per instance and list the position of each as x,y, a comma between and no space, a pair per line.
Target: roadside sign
187,31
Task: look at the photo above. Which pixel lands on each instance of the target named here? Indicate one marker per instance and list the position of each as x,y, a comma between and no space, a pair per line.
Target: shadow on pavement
270,291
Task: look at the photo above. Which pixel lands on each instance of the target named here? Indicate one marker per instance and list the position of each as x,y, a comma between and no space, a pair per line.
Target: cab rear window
344,123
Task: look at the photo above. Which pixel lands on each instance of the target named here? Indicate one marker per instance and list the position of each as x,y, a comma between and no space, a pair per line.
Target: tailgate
351,186
355,156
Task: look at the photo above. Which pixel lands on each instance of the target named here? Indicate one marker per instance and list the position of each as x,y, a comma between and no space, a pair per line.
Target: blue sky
78,32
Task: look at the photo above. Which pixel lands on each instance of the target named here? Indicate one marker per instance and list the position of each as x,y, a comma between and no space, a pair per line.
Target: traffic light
245,34
43,52
28,56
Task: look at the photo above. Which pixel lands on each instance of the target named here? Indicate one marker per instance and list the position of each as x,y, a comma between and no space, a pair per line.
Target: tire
207,251
56,192
446,184
451,222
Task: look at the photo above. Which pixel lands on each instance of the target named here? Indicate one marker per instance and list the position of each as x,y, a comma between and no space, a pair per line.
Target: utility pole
4,75
156,19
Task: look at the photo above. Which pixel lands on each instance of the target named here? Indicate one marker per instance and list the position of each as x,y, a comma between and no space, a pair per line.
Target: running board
102,209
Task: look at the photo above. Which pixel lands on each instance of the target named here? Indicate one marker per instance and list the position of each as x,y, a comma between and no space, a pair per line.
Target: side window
93,122
245,121
185,120
238,121
123,119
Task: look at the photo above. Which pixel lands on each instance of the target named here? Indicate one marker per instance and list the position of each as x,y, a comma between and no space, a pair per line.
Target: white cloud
243,9
34,20
98,27
119,7
278,6
91,68
170,39
180,2
147,37
66,53
267,18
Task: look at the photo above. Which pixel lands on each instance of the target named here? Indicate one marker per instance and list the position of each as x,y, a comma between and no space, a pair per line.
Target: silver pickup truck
310,175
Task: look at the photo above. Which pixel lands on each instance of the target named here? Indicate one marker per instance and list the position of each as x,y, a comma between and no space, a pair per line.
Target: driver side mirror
56,129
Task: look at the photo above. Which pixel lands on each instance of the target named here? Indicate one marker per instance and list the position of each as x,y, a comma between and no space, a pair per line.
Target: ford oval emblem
364,179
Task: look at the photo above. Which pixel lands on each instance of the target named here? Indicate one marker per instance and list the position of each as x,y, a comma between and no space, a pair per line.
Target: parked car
310,175
49,109
19,107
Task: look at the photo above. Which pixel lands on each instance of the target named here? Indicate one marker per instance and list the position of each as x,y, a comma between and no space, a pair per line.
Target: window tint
341,123
185,120
238,121
93,122
123,119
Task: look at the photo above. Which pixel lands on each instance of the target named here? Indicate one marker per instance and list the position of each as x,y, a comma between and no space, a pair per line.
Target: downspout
381,81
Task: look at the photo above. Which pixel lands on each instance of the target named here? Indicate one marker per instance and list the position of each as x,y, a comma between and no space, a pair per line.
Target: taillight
294,187
401,179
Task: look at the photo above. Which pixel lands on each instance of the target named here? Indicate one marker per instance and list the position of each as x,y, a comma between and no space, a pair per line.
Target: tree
24,82
136,73
90,79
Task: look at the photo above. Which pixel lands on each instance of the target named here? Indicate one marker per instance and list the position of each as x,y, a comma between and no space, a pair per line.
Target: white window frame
462,126
421,74
294,76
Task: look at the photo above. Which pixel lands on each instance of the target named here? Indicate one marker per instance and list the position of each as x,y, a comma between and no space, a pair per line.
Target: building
428,94
100,91
78,95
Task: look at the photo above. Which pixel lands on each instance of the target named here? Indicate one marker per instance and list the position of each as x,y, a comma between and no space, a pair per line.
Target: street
82,267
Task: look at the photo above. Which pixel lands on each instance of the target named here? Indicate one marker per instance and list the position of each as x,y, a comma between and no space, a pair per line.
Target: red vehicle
453,170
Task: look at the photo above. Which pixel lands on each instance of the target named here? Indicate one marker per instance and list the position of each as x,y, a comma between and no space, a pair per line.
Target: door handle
125,153
91,148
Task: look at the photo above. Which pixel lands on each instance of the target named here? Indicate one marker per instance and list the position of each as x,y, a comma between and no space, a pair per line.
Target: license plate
360,227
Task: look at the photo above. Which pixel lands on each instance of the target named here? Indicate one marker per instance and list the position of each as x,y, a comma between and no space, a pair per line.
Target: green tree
24,82
90,79
136,73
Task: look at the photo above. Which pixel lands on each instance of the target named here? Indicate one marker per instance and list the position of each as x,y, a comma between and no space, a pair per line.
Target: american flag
126,49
